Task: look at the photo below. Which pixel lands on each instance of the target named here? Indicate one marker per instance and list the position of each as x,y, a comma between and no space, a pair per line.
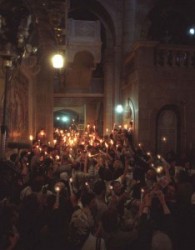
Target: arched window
167,130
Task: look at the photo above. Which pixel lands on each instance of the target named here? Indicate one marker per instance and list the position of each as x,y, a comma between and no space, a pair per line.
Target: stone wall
159,85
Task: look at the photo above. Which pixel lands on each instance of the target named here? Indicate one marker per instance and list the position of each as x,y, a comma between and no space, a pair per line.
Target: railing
96,87
179,56
154,54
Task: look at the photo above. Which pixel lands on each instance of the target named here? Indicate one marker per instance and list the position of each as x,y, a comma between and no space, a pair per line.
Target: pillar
108,90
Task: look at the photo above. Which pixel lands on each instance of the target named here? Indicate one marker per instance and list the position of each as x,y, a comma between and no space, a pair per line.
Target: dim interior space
97,118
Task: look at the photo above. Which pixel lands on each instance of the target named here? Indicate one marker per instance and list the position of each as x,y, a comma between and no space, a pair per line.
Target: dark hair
23,154
99,187
86,198
13,157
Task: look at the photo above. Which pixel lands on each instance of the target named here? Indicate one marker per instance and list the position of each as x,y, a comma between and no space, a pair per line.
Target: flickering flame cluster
66,142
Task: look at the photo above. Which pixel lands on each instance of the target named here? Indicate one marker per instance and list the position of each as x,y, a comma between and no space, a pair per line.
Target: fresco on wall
18,107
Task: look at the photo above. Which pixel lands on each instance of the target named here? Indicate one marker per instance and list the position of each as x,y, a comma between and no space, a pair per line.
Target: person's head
14,157
37,183
161,241
150,178
151,175
24,156
117,164
117,187
170,192
99,188
88,200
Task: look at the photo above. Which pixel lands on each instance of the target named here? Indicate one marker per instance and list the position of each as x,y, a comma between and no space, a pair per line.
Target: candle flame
31,138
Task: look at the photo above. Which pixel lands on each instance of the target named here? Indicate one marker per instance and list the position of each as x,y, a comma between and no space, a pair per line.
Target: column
44,98
108,90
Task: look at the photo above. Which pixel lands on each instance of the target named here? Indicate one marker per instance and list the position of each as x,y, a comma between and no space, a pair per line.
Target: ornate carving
84,36
30,67
18,106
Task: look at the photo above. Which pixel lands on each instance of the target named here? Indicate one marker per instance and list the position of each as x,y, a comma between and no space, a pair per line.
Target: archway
168,130
84,77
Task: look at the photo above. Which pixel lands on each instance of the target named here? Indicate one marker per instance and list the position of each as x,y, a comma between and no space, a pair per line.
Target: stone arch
101,13
84,59
168,126
79,76
71,114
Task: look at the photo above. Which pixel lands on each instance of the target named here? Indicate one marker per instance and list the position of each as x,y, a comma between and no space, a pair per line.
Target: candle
42,133
57,203
31,137
159,169
70,185
164,139
57,157
142,195
125,126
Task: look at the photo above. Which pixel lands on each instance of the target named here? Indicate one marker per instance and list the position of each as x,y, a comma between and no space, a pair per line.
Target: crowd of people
90,193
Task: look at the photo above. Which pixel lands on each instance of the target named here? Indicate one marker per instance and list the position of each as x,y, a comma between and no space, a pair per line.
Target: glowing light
57,189
42,132
65,119
192,31
164,139
58,61
125,126
159,169
119,109
57,157
31,138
